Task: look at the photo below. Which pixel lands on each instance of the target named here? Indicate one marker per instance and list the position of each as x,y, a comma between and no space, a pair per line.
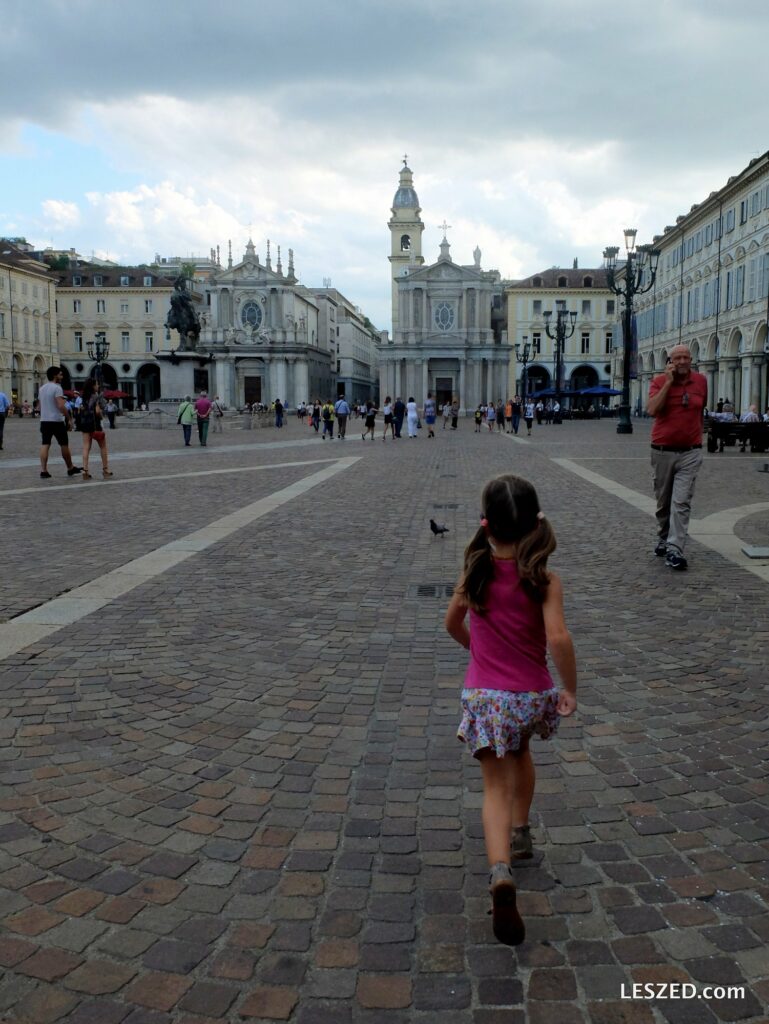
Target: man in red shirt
677,400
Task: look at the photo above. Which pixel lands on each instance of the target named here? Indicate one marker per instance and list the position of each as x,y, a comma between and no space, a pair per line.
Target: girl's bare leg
508,789
86,451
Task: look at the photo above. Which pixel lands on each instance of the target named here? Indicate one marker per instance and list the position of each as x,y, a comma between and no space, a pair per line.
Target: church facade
448,330
259,338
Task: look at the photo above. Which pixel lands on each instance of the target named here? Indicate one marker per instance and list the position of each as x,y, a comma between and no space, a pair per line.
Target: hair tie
484,522
540,515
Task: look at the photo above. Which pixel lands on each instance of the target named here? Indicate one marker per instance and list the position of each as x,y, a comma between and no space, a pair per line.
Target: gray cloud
578,115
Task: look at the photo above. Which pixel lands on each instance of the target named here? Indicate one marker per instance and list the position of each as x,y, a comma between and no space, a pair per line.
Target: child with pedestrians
515,606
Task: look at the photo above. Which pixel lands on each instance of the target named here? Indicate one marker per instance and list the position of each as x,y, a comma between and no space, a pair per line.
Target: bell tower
406,229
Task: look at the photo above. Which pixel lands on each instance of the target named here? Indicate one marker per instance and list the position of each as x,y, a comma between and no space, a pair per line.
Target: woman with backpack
186,416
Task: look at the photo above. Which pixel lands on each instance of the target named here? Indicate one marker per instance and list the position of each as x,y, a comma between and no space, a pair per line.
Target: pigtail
532,553
478,571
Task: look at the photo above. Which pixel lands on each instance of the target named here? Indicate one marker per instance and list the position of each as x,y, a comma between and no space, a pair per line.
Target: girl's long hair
511,506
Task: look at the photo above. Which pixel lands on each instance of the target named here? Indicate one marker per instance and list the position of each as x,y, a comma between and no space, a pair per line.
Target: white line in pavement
161,453
113,482
715,531
639,501
40,622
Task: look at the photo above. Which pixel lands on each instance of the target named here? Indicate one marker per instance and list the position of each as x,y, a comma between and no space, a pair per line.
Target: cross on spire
405,159
444,227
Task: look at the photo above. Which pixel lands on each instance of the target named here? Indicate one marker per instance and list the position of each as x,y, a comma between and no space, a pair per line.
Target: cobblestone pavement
234,793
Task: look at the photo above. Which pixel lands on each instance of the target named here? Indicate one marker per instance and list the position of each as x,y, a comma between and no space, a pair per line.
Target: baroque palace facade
587,355
712,293
27,321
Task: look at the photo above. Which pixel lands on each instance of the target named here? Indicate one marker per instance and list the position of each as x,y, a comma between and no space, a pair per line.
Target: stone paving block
176,957
99,977
76,934
49,964
269,1003
156,990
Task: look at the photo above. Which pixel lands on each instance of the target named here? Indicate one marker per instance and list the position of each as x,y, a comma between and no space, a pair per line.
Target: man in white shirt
53,422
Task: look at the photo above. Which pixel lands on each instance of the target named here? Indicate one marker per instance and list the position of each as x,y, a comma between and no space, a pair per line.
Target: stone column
707,369
280,380
732,366
385,371
425,380
302,379
462,384
755,381
473,383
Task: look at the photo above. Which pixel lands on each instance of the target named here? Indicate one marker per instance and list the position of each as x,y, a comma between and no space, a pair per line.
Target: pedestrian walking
399,414
412,417
315,417
677,399
5,405
327,415
54,422
185,416
111,410
539,409
278,408
517,409
491,417
342,413
509,416
203,412
516,613
528,416
370,420
478,416
501,416
430,411
446,413
217,415
91,427
454,414
389,417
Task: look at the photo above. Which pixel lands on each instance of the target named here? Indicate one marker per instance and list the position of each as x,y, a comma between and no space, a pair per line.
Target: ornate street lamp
522,356
565,321
98,350
638,275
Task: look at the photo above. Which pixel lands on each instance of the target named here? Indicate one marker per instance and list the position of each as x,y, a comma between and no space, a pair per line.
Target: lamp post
98,350
633,282
565,322
522,353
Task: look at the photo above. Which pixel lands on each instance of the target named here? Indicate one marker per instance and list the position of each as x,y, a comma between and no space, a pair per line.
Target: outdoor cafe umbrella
549,392
600,389
116,394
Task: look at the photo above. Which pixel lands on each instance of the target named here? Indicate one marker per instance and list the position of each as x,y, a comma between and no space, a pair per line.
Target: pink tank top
507,642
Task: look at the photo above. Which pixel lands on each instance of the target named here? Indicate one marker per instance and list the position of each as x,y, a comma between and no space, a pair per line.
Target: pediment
444,270
250,272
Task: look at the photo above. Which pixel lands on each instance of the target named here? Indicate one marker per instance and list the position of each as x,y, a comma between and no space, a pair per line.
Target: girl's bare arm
456,614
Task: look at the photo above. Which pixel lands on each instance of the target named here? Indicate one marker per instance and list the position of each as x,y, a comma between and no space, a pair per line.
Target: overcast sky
538,128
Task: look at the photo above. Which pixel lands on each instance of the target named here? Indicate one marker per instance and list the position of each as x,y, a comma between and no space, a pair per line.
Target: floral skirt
500,720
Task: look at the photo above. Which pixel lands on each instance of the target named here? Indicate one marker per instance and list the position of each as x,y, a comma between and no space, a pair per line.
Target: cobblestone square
230,785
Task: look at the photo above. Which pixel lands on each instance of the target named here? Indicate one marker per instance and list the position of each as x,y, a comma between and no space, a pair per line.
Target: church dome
406,196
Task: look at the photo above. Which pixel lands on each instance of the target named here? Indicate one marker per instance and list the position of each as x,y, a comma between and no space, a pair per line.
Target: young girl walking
516,611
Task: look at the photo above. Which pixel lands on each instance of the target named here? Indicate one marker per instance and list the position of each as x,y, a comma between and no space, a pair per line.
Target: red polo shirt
679,421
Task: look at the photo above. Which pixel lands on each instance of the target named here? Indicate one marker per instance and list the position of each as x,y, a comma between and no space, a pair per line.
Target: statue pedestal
184,373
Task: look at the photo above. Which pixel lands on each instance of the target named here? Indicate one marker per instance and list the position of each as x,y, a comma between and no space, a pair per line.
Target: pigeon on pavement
438,529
